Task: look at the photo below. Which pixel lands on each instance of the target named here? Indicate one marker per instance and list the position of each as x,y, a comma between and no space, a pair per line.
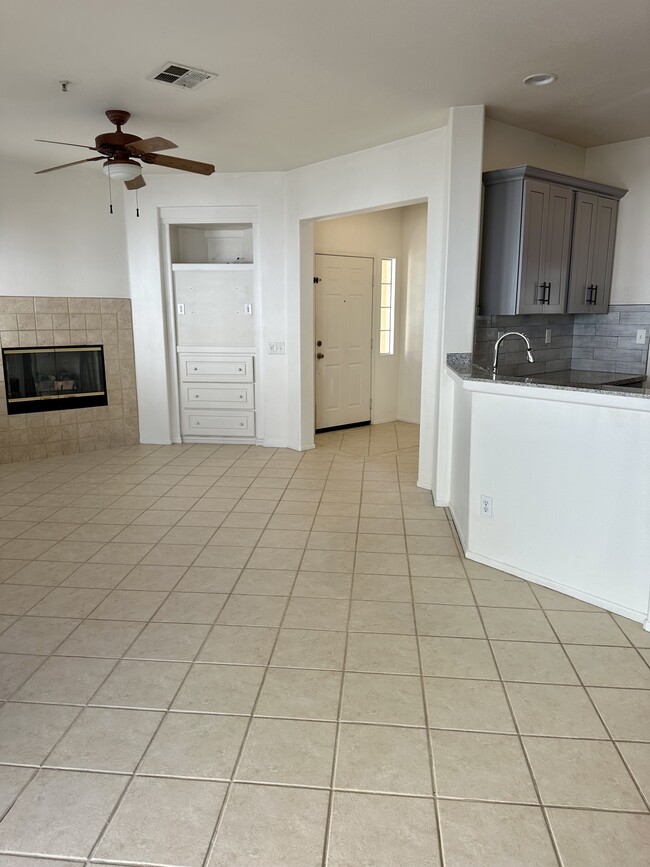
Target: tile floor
233,656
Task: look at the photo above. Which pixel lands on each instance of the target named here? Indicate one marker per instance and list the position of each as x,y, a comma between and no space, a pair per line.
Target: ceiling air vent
185,77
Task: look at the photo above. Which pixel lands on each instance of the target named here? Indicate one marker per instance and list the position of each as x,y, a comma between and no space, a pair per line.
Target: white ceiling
304,80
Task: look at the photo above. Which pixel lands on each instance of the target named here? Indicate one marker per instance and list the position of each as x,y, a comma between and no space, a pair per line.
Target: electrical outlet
486,506
640,335
547,337
276,349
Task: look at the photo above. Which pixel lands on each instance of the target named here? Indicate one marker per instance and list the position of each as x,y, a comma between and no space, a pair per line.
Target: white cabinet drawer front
214,369
226,396
219,424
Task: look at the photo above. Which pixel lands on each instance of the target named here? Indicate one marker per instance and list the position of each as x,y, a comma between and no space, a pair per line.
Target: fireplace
42,378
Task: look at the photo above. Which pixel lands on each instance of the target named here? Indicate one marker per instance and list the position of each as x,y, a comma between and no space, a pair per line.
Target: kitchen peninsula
565,460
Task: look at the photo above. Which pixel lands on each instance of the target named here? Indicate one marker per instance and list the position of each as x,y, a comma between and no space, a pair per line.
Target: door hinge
370,403
317,279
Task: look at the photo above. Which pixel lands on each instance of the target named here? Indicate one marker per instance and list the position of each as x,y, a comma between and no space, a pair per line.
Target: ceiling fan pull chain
137,205
110,194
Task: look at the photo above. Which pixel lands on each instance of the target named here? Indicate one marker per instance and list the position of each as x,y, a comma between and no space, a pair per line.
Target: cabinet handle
546,293
592,294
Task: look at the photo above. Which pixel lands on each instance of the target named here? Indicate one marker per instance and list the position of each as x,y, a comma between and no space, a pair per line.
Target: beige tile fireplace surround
45,321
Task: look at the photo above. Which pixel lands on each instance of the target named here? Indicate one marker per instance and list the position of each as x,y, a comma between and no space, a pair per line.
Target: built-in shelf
221,266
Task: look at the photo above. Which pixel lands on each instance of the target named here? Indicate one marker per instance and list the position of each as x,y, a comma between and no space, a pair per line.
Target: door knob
320,355
319,343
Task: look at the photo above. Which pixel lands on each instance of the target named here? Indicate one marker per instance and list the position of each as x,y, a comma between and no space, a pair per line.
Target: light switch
276,348
248,309
180,309
640,335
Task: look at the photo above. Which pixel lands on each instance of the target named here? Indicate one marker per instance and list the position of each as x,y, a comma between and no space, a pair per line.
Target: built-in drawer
218,424
221,396
216,368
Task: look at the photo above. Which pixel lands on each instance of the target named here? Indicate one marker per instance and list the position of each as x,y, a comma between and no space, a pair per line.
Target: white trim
463,543
591,598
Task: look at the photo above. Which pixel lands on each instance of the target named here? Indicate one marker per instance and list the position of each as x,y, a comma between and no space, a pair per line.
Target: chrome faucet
529,350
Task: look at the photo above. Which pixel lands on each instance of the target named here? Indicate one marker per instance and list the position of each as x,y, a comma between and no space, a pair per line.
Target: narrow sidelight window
387,308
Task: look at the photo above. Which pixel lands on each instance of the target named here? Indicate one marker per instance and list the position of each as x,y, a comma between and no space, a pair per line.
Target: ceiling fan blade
65,165
149,145
136,183
68,143
177,163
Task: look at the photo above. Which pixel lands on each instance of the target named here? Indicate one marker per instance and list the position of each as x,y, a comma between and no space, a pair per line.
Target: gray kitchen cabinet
529,241
592,260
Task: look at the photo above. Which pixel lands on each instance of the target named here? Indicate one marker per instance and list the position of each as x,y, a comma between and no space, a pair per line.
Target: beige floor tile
12,781
283,539
307,648
103,576
249,610
517,624
607,666
436,566
506,835
190,608
388,617
36,634
44,572
129,605
552,600
504,594
266,825
392,654
382,829
65,679
195,745
69,602
24,549
637,757
245,538
143,577
274,558
382,588
639,636
108,638
476,705
626,712
29,731
457,657
279,522
288,751
454,621
172,555
241,645
203,579
61,813
105,739
436,526
305,613
381,564
327,561
382,698
579,773
596,839
121,553
578,627
437,545
162,821
481,765
176,642
443,591
139,684
300,694
556,711
229,689
329,585
383,759
336,524
72,552
138,533
535,663
266,582
15,668
20,598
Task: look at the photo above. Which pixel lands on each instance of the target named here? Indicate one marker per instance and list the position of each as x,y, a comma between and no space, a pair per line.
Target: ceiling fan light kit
119,149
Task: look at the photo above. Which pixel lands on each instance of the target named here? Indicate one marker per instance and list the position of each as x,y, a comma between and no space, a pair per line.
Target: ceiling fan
119,149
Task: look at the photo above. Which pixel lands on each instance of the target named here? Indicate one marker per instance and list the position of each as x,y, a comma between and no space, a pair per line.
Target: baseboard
408,420
426,485
463,543
607,604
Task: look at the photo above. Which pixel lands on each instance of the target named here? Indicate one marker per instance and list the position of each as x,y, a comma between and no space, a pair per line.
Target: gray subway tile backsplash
588,341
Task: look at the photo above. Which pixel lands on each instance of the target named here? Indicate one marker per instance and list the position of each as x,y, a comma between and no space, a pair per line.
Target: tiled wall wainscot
29,321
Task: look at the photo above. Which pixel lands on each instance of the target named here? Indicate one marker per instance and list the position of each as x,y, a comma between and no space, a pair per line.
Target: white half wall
627,164
57,235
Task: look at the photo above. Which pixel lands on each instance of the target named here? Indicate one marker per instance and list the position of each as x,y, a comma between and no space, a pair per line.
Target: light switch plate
276,348
640,335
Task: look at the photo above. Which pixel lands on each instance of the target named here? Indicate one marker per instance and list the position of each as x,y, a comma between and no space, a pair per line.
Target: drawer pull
240,369
195,369
241,396
196,396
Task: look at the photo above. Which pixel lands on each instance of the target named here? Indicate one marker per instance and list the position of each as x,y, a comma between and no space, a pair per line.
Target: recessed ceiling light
539,79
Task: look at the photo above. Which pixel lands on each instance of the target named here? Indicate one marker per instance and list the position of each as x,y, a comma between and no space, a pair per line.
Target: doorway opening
369,289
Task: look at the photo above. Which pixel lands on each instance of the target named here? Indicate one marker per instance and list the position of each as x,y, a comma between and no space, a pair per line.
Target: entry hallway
235,656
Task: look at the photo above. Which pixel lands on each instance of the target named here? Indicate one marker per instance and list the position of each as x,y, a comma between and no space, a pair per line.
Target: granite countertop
603,382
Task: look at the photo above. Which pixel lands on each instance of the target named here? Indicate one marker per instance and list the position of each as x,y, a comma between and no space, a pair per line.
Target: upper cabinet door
533,246
592,255
558,245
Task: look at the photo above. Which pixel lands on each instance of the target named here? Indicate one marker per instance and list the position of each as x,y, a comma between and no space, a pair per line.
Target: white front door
343,305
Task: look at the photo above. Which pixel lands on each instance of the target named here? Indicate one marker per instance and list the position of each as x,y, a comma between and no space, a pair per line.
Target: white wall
627,164
395,174
57,236
506,146
411,311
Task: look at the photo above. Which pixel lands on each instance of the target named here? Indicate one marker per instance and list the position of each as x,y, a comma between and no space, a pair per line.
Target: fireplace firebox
42,378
